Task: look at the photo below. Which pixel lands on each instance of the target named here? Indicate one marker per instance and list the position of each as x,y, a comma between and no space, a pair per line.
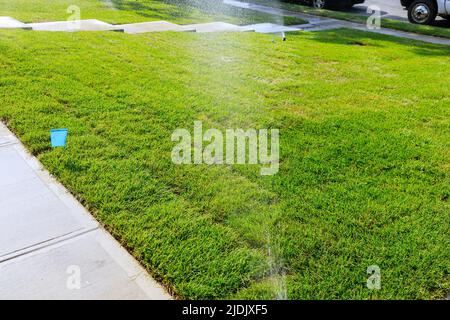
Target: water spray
282,34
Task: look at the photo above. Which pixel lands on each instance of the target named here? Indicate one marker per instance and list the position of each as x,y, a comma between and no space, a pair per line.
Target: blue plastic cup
58,137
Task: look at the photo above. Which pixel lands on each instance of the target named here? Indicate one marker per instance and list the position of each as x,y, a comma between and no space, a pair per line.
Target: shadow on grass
151,9
443,23
362,39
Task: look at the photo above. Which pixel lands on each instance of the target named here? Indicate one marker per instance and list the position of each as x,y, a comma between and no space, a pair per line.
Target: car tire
319,4
422,12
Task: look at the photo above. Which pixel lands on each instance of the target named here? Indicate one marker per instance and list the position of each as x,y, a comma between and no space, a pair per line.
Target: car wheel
422,12
319,4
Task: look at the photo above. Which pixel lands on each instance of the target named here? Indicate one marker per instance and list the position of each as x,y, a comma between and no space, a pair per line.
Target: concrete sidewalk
50,246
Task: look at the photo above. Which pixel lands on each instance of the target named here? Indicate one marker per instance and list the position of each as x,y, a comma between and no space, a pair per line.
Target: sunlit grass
364,154
129,11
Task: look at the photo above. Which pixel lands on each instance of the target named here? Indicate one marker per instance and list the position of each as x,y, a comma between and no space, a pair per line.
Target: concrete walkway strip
269,28
214,27
11,23
50,246
316,23
77,25
406,35
153,26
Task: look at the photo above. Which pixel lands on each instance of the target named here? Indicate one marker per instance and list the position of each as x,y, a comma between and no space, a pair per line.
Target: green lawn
364,137
130,11
354,17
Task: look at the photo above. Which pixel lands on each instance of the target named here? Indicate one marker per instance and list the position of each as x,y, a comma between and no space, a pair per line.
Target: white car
426,11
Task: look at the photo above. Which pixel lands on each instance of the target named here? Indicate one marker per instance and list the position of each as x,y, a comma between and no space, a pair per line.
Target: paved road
389,8
392,9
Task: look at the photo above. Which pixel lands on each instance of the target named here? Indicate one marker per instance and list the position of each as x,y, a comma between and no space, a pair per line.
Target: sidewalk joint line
45,244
